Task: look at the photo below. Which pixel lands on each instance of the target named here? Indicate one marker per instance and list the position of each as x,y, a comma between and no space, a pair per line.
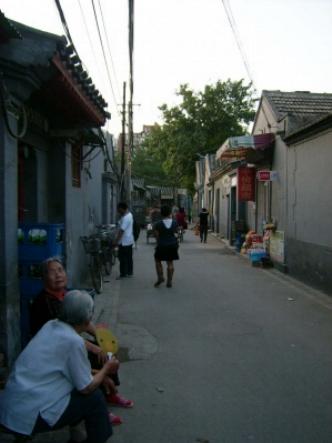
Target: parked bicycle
102,253
107,235
92,247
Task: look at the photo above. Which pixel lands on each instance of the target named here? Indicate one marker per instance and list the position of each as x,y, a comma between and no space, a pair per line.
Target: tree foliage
198,125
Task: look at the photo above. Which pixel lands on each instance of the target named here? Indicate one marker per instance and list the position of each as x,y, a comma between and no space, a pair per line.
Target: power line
233,26
65,24
104,53
88,33
108,48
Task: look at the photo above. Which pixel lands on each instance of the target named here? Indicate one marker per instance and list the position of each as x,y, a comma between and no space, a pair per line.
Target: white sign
277,246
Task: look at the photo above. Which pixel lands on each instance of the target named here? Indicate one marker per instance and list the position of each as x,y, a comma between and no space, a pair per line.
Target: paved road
230,354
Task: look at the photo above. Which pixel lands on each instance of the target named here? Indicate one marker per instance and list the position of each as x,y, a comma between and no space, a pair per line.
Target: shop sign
246,183
277,246
267,176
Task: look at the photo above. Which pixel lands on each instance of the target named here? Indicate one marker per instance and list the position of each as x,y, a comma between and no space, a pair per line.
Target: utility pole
131,92
123,145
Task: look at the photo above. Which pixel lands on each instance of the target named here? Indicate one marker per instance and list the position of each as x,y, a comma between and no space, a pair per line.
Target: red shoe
118,400
114,419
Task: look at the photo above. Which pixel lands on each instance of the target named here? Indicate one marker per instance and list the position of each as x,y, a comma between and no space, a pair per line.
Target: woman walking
167,246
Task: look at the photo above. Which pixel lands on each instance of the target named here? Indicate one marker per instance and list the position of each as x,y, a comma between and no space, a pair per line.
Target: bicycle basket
91,244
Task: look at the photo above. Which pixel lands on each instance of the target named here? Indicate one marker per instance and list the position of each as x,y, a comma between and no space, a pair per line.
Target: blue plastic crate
38,241
256,256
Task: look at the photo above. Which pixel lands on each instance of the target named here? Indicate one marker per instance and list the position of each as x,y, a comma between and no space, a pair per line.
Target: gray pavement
230,354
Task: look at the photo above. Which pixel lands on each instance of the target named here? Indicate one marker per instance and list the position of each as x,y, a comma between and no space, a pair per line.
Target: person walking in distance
203,224
125,240
167,246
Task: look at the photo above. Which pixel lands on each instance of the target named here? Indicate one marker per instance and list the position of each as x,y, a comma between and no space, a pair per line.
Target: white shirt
168,222
126,225
52,365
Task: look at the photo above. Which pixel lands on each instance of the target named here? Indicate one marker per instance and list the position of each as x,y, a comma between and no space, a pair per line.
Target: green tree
198,125
147,161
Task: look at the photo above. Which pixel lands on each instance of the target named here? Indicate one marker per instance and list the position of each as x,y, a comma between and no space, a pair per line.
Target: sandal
114,419
118,400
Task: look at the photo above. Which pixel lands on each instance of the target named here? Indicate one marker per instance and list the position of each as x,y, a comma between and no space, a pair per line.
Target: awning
240,147
166,193
138,183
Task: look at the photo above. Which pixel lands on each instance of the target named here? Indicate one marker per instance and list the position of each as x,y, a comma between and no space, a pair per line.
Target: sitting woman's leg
92,409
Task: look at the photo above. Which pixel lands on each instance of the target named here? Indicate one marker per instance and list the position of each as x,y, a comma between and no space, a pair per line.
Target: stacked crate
36,242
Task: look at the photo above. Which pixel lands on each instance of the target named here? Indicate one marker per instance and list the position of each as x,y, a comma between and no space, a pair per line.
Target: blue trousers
126,260
92,409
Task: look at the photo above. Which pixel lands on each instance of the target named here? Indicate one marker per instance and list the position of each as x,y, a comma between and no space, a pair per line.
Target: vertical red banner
246,178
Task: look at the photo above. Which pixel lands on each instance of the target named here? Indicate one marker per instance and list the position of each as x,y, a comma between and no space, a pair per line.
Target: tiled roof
38,48
7,29
310,128
299,102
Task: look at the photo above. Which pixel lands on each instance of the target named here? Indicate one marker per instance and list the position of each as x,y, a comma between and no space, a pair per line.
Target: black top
45,307
166,235
203,218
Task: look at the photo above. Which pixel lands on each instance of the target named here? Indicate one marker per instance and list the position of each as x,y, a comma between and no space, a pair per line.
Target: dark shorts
166,253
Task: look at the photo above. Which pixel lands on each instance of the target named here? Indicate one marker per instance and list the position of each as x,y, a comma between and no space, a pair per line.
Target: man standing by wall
125,240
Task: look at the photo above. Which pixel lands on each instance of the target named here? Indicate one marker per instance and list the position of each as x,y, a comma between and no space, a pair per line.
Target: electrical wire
131,73
109,48
104,53
65,25
233,26
88,34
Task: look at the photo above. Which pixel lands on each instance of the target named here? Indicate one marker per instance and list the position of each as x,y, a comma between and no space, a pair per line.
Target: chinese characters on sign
267,176
246,183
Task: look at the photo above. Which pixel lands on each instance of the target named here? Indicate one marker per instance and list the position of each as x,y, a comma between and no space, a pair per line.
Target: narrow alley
230,354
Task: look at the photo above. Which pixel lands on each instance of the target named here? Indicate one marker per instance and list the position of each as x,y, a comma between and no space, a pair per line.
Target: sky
287,45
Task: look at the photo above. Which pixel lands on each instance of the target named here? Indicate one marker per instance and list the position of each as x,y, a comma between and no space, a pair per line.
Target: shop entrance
231,215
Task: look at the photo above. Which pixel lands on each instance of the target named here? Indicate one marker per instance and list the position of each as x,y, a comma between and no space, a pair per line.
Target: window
76,164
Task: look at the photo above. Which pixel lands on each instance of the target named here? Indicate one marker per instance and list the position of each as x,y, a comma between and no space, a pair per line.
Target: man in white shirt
51,385
125,240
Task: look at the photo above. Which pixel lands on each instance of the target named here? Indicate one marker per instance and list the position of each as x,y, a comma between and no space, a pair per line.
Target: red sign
246,183
264,176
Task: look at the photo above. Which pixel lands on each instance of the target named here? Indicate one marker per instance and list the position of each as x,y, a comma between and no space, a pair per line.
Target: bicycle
180,234
107,235
92,246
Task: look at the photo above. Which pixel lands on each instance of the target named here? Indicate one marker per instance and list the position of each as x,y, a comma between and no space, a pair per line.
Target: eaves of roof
39,49
298,102
7,29
314,127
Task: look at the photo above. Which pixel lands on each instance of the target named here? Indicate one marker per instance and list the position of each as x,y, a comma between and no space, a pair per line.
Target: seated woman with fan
46,306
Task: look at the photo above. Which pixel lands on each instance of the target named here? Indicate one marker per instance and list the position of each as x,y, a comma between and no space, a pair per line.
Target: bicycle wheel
96,274
107,262
113,257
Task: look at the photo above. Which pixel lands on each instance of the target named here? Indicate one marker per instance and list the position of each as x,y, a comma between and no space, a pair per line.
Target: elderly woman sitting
51,385
46,307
